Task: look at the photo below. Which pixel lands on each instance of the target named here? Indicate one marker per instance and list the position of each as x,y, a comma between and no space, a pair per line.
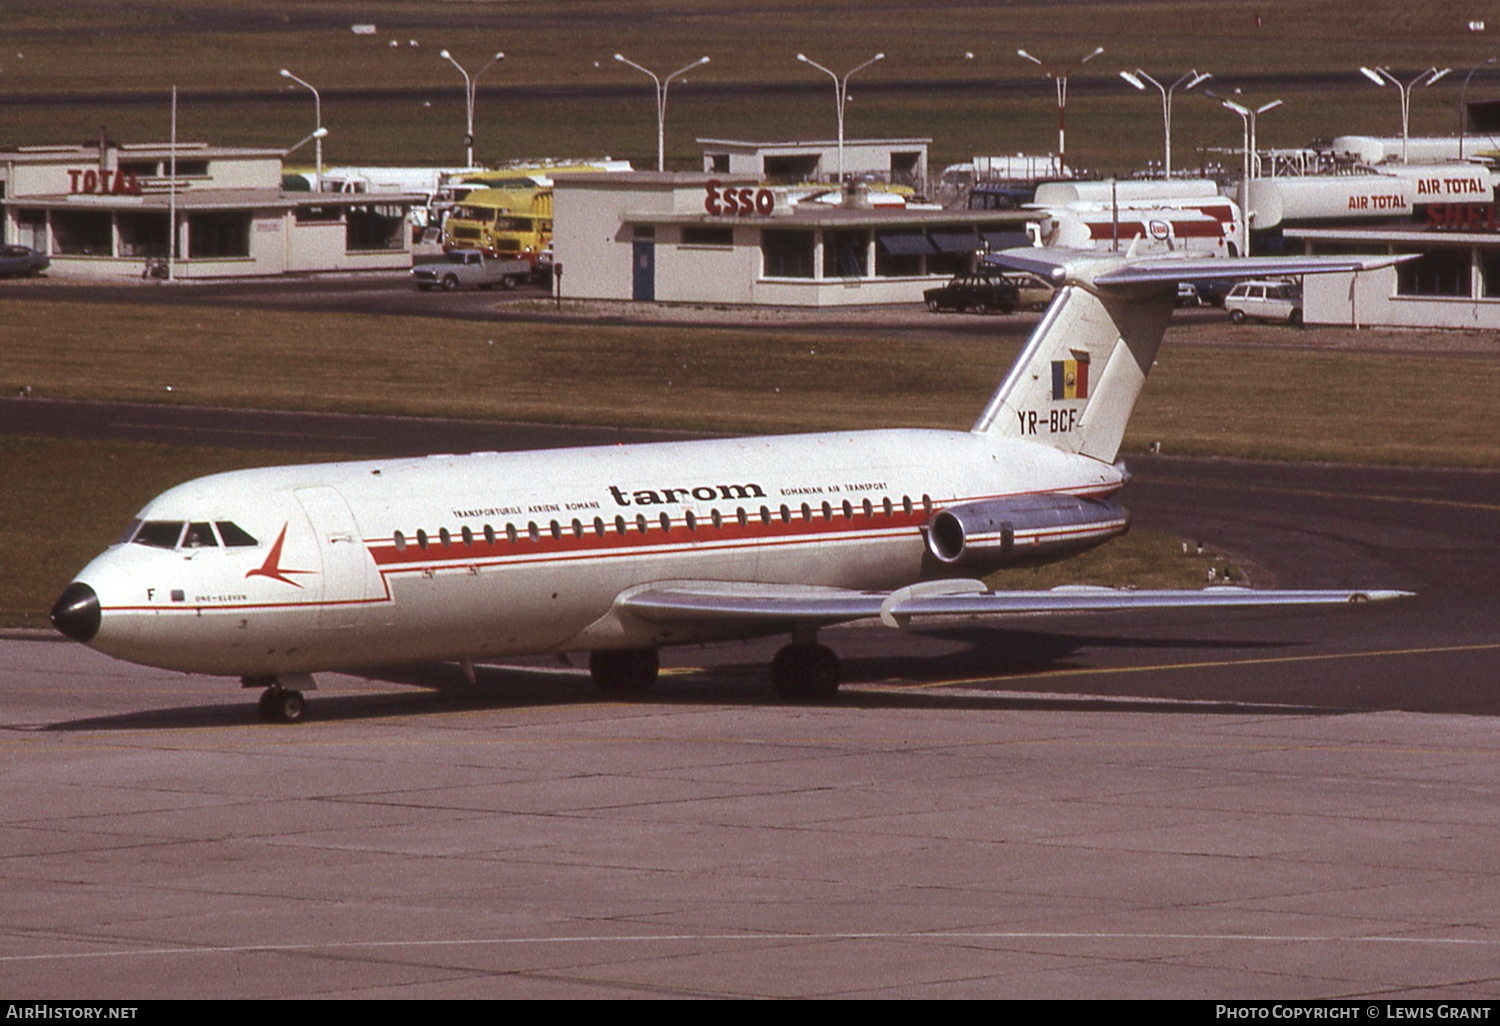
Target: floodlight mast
1060,77
470,84
662,84
1463,105
1139,78
1380,76
319,131
840,94
1252,158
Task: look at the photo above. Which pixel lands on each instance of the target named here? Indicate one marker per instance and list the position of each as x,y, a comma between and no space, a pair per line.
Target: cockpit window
128,533
159,534
234,536
199,536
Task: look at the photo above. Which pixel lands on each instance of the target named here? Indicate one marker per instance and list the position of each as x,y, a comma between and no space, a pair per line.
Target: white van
1265,301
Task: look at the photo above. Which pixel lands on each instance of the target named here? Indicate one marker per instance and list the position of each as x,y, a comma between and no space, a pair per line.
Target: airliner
272,575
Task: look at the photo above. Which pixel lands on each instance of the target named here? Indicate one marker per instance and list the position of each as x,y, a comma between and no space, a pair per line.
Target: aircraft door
350,580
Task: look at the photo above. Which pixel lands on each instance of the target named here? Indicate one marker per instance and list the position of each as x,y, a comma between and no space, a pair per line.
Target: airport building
894,161
108,211
1442,210
703,238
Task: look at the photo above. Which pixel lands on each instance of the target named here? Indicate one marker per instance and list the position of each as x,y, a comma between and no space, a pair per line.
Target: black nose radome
76,612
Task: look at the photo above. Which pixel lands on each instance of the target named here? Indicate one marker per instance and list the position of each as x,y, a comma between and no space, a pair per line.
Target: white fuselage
490,554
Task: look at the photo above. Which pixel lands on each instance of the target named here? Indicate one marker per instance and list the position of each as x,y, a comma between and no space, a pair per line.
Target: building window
786,254
899,254
702,236
1489,272
1442,272
846,254
143,235
376,227
219,235
82,233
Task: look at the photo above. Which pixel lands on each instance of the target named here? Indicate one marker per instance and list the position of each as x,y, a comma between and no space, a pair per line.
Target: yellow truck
511,224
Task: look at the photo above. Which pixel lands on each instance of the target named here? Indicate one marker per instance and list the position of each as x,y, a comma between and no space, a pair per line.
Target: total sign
102,182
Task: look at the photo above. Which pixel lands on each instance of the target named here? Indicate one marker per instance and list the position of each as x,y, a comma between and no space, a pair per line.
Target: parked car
1211,291
21,262
1265,301
980,293
469,268
1033,292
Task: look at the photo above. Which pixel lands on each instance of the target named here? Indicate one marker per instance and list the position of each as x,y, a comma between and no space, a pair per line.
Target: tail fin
1077,380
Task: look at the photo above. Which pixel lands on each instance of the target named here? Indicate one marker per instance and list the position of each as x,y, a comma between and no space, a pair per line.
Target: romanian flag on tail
1070,378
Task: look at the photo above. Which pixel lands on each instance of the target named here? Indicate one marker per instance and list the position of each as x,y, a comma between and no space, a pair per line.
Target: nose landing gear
280,703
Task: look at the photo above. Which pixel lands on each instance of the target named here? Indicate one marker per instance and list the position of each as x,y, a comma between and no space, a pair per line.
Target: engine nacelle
1022,530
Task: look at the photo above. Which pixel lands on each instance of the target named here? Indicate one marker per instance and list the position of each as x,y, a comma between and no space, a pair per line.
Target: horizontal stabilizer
1143,272
715,601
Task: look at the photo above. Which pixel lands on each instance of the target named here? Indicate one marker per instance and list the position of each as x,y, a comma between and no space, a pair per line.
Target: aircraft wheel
805,672
280,705
622,673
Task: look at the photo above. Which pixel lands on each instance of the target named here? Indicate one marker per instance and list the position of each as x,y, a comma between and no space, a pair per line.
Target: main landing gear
624,673
279,703
805,672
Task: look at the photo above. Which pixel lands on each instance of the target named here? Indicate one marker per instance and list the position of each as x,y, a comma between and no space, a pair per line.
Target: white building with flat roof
109,211
700,238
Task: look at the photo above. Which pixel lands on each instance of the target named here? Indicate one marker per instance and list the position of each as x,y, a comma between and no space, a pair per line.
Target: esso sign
734,201
1161,231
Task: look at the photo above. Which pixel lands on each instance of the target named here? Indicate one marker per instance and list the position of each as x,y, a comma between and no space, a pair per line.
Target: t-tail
1078,378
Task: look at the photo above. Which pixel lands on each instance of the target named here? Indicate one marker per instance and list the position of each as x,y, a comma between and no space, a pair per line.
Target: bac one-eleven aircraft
273,574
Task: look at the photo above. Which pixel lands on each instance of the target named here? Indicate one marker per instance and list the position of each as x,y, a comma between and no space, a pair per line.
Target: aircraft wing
707,601
1061,265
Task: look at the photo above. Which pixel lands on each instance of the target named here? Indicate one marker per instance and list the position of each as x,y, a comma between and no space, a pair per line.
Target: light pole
1060,76
1463,105
469,85
840,95
1139,78
1380,76
318,132
1252,158
661,101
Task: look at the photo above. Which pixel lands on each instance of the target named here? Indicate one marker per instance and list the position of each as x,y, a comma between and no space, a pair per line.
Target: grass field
560,93
1352,406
